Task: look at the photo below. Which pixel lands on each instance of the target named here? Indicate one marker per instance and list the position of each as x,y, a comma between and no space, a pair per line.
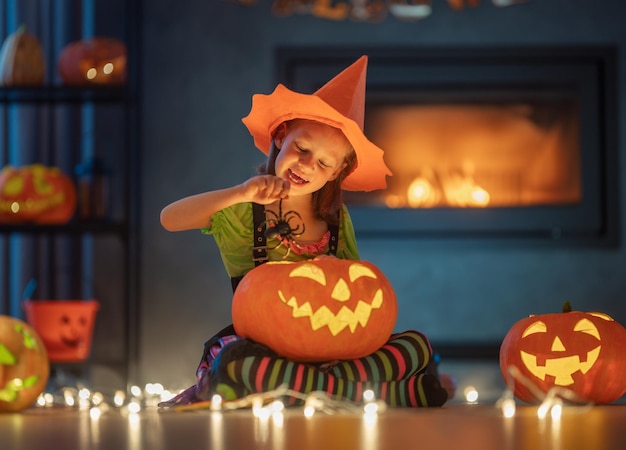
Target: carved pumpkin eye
586,326
310,271
14,186
535,327
42,186
602,316
357,271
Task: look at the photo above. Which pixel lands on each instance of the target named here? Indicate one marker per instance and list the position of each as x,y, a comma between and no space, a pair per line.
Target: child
316,147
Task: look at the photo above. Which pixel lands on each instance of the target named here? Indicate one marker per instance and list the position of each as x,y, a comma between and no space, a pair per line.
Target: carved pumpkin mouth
336,323
324,316
71,342
562,368
31,205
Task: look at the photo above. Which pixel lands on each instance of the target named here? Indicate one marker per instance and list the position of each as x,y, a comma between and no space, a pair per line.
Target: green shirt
233,231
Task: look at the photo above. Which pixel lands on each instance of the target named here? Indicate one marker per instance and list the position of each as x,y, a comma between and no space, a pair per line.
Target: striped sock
405,354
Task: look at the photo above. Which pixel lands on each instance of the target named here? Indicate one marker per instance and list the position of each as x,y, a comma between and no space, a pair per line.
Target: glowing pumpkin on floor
316,310
24,367
99,60
584,352
36,194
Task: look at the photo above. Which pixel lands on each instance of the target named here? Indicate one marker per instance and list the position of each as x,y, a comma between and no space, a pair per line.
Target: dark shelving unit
94,255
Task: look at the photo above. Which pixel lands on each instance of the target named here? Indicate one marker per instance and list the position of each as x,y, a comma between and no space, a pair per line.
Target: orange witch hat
339,103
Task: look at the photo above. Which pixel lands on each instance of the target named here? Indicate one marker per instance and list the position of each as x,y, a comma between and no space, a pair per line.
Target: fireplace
508,143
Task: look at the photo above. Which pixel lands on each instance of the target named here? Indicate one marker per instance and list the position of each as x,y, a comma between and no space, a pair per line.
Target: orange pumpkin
316,310
583,352
36,194
21,60
100,60
24,367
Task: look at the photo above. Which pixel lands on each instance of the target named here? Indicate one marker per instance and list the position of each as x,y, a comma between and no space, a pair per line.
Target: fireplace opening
503,149
513,143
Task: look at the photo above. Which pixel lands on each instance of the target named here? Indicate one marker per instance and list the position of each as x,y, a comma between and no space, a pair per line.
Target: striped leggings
397,373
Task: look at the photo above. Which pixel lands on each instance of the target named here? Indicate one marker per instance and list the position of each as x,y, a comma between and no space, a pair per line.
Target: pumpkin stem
567,307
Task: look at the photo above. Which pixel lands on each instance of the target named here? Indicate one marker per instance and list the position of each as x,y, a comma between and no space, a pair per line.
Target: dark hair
328,200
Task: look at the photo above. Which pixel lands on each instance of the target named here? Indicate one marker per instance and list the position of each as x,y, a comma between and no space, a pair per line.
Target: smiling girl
293,210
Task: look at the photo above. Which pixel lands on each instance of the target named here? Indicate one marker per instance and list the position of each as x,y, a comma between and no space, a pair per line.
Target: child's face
311,154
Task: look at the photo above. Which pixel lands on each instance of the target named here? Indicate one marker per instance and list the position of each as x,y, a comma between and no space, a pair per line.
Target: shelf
71,228
60,126
64,94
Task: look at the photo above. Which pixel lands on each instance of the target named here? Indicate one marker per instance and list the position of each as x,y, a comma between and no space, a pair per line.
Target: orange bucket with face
65,326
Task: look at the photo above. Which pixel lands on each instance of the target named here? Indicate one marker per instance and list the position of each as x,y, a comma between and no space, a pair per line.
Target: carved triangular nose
557,345
341,291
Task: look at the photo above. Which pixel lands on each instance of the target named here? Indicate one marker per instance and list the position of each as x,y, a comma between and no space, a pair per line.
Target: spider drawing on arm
281,224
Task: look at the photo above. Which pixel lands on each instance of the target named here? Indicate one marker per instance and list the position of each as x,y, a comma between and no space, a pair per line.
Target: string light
270,404
369,396
41,400
507,404
95,413
216,403
119,398
135,391
134,407
471,394
266,404
551,401
68,397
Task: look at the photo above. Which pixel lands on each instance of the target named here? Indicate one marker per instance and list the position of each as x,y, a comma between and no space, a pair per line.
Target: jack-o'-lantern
24,367
21,60
65,326
581,351
99,60
316,310
36,194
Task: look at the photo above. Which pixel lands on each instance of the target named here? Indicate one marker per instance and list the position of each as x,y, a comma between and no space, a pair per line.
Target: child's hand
266,189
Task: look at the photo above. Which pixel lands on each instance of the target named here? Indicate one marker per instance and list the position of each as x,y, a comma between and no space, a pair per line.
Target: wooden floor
455,426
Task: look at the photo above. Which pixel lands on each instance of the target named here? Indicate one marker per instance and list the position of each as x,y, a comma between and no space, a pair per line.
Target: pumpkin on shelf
24,365
36,194
99,60
316,310
584,352
21,60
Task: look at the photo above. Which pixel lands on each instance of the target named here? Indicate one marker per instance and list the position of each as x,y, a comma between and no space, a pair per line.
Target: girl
316,147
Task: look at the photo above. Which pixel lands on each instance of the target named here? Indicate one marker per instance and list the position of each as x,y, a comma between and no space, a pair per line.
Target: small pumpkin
316,310
24,366
581,351
21,60
99,60
36,194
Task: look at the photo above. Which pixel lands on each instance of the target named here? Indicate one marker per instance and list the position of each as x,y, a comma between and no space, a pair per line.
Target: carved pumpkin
583,352
316,310
65,326
100,60
21,60
24,367
36,194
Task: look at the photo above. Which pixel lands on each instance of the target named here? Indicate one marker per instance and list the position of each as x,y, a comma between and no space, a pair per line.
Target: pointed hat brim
340,103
